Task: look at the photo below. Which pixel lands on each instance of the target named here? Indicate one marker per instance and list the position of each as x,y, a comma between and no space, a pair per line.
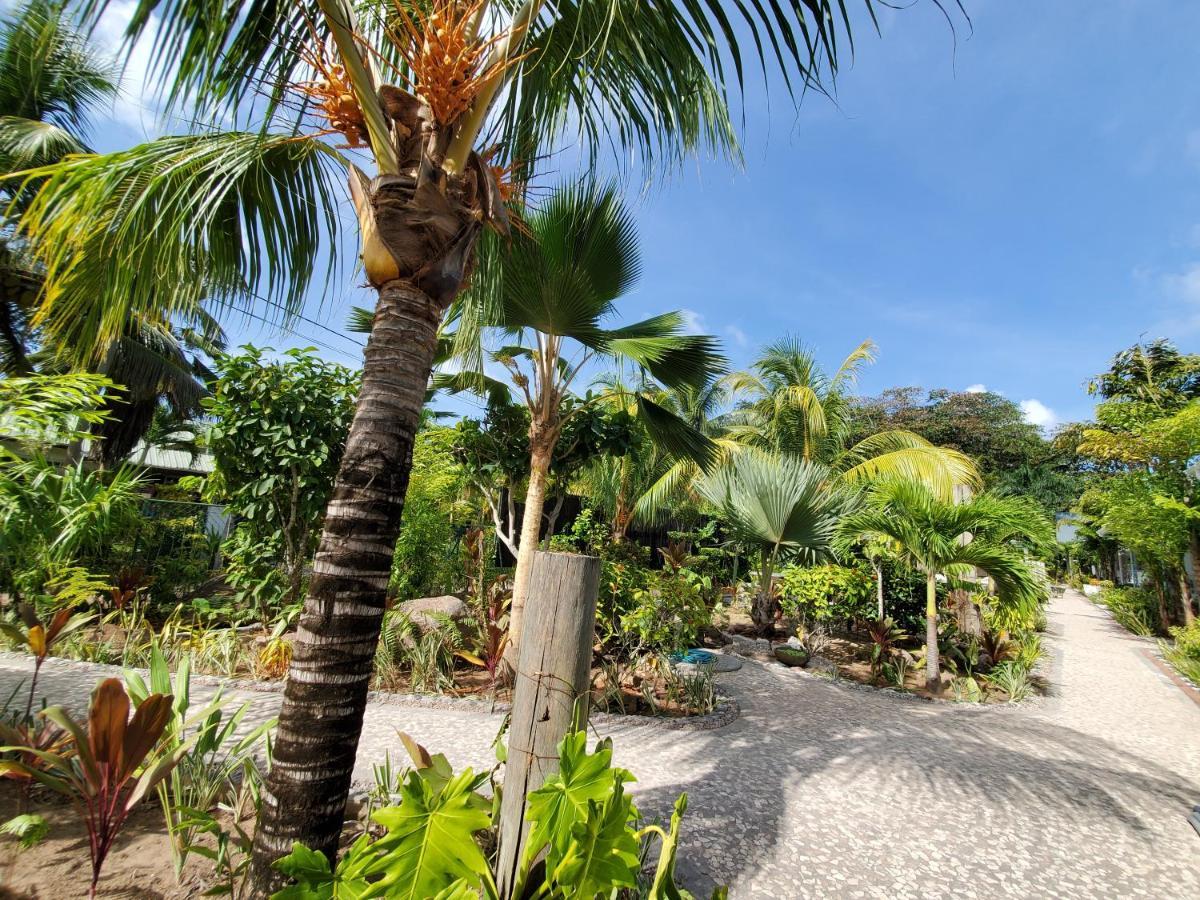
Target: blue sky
1006,210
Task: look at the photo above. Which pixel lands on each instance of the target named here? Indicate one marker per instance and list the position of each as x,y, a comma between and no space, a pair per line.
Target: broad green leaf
430,842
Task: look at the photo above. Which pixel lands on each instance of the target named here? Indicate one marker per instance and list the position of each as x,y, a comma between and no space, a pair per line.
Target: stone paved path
823,790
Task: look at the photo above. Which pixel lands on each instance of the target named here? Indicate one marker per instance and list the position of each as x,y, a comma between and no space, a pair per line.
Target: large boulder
429,612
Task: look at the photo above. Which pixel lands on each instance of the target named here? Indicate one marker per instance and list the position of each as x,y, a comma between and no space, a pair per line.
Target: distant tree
1013,455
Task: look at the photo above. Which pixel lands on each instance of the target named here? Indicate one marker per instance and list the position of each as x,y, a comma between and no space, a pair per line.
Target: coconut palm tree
550,294
786,402
784,506
481,90
942,538
50,81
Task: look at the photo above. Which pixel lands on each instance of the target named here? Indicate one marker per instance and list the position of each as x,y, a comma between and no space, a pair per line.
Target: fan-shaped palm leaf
783,505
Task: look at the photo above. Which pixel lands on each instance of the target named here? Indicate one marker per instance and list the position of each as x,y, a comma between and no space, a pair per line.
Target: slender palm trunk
879,589
1185,596
540,454
326,692
933,675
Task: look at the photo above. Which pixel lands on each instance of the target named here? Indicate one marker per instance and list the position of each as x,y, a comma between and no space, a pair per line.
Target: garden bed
138,867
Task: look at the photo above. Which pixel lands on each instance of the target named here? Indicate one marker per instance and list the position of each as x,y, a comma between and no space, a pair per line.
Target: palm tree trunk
326,692
1185,596
540,454
933,675
879,589
763,613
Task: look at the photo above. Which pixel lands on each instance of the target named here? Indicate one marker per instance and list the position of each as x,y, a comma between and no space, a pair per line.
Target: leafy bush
280,430
429,555
1184,662
827,593
1134,608
1187,640
582,823
668,613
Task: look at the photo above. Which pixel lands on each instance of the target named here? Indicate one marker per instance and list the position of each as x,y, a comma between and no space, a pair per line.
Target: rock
822,666
794,641
425,612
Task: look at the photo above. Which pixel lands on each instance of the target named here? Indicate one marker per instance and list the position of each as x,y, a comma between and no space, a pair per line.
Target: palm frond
904,455
580,253
158,228
30,143
48,72
776,501
674,435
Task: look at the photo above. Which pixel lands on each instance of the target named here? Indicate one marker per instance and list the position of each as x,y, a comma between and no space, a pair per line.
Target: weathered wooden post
551,688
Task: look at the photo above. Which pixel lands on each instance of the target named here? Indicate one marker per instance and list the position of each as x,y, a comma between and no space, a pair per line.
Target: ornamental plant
108,770
827,593
584,838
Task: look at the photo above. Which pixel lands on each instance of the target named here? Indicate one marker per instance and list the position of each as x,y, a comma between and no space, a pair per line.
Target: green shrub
828,592
1187,640
1134,608
667,614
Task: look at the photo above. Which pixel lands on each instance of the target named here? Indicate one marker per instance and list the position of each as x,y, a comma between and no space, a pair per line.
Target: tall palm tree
783,505
483,88
549,297
617,486
786,402
946,539
50,81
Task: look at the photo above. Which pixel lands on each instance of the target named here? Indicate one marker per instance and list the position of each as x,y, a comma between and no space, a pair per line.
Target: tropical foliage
279,431
987,533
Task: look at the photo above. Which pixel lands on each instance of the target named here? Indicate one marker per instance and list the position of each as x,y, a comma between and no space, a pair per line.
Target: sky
1000,205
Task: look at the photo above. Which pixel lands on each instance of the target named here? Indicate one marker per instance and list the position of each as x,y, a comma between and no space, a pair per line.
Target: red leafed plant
488,651
108,770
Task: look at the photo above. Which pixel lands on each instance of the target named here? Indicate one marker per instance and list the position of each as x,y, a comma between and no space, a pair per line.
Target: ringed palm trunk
326,692
540,455
933,675
763,613
879,589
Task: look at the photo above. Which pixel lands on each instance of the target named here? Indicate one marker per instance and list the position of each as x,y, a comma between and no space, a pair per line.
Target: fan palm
487,88
946,539
550,295
782,505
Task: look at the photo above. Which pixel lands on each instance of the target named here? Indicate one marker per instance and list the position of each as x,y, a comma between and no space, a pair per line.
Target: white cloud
1035,412
739,337
976,389
693,322
1185,285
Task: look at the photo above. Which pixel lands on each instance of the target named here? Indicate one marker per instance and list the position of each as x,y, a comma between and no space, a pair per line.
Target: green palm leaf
159,227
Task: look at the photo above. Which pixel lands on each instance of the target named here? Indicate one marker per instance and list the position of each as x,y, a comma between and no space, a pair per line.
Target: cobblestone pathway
825,790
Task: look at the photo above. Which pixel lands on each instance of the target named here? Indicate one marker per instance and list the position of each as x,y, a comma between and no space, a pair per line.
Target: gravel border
725,712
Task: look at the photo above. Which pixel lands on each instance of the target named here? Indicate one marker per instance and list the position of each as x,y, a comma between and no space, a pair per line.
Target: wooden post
550,694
